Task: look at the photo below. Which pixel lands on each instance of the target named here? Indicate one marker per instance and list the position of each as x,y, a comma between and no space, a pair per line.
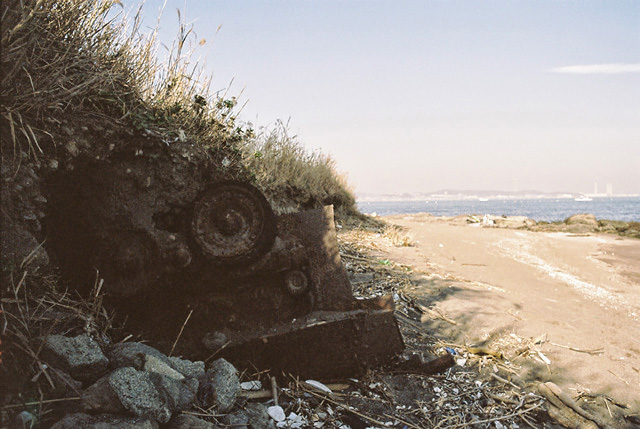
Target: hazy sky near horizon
419,96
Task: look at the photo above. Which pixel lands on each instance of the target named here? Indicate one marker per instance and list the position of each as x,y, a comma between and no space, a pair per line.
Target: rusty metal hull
322,344
192,246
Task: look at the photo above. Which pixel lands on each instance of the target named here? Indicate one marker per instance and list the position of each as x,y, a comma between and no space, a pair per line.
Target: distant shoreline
482,197
540,209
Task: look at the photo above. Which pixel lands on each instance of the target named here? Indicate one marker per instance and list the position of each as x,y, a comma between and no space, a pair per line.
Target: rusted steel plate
322,344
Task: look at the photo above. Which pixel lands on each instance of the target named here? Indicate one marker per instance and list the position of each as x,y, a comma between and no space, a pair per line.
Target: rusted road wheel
233,223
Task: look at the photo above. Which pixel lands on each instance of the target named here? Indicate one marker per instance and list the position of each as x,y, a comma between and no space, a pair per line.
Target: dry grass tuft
398,236
294,178
32,308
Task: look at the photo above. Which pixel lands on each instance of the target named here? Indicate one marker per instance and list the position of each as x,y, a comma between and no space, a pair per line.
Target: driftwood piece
566,411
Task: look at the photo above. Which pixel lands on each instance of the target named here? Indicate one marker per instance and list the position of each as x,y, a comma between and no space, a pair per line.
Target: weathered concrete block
80,356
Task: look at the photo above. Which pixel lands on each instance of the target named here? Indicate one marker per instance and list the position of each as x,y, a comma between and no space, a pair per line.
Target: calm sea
627,209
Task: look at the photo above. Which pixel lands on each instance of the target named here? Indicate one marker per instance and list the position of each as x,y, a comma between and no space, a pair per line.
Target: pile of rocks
132,385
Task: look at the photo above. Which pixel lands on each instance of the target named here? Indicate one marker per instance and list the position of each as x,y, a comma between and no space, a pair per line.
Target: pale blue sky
425,95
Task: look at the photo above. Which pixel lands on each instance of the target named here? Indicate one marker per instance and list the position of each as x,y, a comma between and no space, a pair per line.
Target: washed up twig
434,314
495,419
357,258
404,422
501,398
180,333
591,352
503,380
47,401
565,406
618,377
339,404
274,390
603,397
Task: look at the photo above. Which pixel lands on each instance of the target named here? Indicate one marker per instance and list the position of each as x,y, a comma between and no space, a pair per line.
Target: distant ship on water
583,198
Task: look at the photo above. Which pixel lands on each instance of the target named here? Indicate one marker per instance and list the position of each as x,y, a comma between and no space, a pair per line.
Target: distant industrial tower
609,189
595,188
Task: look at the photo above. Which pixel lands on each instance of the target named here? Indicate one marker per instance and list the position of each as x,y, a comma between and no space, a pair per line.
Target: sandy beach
573,298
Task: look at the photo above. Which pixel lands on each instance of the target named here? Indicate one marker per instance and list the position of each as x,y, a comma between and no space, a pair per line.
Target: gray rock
131,390
139,395
179,390
186,421
104,421
153,364
180,394
188,369
258,416
238,420
101,398
80,356
133,354
222,385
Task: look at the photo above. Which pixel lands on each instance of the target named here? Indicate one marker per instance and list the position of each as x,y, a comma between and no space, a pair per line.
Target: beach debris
543,358
276,413
485,351
318,386
417,365
566,411
251,385
25,420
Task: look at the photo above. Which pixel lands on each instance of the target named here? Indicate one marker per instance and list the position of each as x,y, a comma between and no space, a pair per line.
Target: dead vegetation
32,308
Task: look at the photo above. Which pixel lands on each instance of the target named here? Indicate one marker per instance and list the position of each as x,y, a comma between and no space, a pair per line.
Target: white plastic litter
318,385
276,413
251,385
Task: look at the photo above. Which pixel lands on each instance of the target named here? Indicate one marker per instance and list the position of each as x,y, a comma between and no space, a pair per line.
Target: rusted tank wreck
176,241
